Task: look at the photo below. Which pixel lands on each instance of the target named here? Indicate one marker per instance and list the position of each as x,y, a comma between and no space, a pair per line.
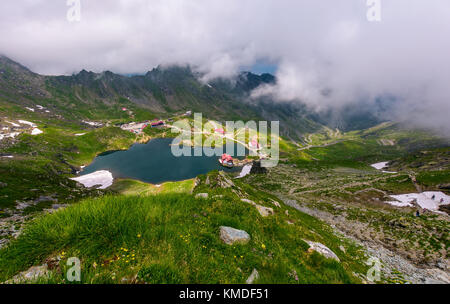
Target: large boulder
232,236
322,249
202,195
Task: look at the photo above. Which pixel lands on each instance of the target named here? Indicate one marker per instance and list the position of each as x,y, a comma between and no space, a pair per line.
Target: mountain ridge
162,90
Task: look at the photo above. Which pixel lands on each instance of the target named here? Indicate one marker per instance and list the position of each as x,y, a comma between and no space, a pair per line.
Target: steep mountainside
89,95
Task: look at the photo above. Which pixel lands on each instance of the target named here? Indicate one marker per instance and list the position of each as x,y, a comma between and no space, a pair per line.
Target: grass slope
174,238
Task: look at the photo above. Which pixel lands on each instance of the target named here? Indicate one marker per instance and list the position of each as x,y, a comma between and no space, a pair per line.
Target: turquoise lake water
154,163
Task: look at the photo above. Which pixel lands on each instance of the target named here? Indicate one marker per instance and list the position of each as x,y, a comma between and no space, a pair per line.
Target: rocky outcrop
224,181
264,211
202,195
277,204
232,236
31,274
322,249
257,168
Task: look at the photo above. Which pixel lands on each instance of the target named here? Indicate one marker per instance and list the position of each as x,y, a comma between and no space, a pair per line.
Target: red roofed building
158,123
226,160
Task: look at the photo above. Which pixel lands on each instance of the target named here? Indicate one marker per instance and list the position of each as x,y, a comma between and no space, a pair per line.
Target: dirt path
321,146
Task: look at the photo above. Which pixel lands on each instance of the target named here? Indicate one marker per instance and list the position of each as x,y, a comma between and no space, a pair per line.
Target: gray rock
58,206
264,211
202,195
224,181
277,204
323,250
253,277
438,276
197,182
44,198
232,236
248,201
31,274
22,206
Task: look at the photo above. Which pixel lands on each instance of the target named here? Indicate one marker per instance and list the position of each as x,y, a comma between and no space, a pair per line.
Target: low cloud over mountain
328,54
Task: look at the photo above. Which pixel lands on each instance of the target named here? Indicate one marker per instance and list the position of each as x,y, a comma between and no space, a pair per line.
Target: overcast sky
327,53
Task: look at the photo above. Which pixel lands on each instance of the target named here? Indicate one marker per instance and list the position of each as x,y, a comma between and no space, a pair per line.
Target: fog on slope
329,55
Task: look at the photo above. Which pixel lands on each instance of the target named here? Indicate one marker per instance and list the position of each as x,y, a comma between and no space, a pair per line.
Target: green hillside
174,238
323,190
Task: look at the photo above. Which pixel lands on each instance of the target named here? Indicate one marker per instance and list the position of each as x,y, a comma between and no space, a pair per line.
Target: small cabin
157,123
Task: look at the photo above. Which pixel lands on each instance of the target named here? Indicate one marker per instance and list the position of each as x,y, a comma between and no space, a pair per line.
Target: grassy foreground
174,238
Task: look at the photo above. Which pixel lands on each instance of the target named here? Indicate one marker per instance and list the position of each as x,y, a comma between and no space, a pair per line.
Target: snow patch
14,124
245,171
424,200
10,135
80,134
379,166
103,178
36,131
24,122
29,109
92,123
382,165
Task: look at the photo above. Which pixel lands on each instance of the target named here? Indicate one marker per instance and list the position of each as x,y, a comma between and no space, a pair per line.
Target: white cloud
328,53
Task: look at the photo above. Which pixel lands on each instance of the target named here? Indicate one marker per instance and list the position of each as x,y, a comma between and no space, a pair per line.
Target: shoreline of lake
154,163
